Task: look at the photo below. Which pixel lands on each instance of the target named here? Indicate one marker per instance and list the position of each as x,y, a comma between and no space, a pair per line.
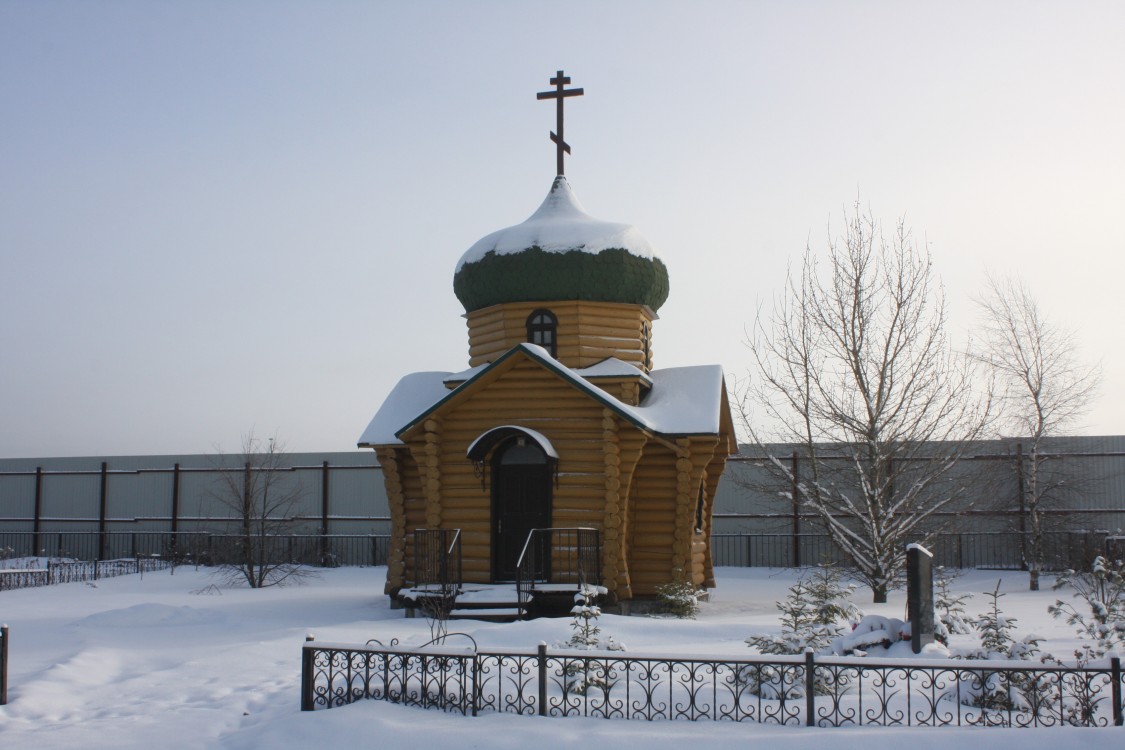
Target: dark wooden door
521,502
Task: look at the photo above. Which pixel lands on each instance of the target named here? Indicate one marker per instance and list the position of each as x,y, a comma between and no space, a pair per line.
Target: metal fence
988,550
77,572
328,550
326,494
809,690
998,550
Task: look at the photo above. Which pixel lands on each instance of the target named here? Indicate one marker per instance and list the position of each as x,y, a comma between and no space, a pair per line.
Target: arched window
542,329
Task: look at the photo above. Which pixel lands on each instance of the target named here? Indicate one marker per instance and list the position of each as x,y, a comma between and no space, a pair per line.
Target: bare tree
856,371
264,497
1044,390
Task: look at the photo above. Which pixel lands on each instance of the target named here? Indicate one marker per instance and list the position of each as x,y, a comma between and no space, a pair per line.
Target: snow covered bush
1102,590
871,631
436,610
811,618
680,598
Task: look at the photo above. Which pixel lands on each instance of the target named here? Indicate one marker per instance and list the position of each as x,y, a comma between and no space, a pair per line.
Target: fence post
1115,674
476,681
810,684
102,502
324,512
3,665
542,678
37,523
175,523
307,654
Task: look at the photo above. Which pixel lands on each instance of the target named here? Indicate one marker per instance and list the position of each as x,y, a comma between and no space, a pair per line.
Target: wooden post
101,512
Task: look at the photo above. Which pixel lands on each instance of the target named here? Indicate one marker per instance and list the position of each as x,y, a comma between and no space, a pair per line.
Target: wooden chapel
561,455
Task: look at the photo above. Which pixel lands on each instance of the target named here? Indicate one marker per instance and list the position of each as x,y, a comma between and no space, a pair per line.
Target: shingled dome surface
561,253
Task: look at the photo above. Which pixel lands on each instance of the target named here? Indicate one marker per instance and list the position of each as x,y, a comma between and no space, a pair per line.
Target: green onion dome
561,253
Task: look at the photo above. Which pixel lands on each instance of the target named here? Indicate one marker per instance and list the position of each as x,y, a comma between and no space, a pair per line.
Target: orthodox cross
558,95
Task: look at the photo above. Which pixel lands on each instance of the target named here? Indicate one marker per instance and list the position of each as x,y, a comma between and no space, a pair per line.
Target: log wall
587,333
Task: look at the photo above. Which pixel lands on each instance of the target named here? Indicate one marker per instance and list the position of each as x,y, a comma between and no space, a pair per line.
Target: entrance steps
489,602
498,602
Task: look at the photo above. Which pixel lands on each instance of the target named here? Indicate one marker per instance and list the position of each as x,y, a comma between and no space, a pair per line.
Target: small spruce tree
810,619
584,674
1102,624
1003,690
949,607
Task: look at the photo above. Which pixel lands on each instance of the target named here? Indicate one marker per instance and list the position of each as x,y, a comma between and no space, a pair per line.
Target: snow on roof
560,225
682,401
538,437
460,377
413,395
612,367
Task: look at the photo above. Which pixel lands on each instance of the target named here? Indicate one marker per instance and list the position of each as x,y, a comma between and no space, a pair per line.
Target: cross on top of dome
558,95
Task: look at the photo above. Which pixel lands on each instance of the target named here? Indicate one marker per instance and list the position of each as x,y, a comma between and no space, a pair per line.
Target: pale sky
224,216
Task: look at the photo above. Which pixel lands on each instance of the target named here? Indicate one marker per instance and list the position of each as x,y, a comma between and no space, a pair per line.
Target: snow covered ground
169,661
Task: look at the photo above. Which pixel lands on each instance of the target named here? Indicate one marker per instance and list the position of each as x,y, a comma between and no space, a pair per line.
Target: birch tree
855,369
1044,389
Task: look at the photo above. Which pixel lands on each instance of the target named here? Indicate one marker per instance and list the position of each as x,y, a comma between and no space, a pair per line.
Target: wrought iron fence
77,572
22,579
813,691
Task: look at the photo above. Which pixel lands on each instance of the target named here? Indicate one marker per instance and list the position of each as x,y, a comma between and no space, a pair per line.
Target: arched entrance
521,501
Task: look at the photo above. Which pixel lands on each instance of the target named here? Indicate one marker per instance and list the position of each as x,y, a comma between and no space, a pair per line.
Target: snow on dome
561,253
560,225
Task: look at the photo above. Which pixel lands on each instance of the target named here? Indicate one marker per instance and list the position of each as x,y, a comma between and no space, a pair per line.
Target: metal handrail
585,566
437,559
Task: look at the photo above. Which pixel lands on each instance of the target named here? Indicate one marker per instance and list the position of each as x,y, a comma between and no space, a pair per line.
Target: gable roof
683,401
